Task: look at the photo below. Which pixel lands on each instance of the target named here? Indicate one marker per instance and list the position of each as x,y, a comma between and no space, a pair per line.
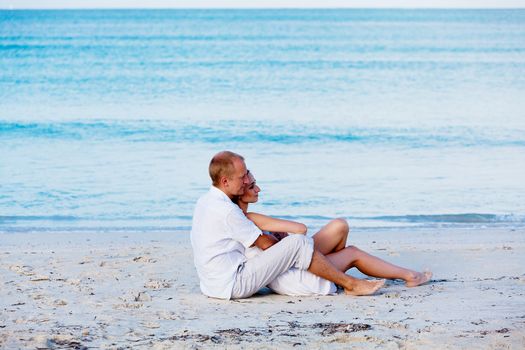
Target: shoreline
115,290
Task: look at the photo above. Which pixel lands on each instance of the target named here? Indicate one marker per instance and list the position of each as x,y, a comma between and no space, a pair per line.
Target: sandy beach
118,290
404,117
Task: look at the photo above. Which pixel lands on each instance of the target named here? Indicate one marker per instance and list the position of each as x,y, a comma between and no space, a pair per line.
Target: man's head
228,173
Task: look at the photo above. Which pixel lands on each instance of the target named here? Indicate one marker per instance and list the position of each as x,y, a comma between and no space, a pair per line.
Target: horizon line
269,8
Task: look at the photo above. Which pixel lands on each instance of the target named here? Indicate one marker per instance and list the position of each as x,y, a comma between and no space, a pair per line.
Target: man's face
239,178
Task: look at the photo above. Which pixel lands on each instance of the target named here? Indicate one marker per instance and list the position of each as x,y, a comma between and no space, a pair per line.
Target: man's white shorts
296,250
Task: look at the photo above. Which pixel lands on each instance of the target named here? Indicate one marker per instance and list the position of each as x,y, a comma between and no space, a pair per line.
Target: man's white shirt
220,234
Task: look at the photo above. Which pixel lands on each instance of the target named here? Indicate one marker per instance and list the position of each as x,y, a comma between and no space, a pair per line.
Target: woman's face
251,191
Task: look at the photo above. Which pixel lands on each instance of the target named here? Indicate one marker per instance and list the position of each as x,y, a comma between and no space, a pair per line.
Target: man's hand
265,241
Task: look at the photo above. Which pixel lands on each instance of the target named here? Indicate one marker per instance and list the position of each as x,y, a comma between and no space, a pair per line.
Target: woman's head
251,190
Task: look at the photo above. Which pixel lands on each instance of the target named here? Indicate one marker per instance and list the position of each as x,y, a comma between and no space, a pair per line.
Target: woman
330,241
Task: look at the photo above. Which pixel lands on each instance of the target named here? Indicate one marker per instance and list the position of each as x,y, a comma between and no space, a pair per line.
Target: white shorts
301,282
255,273
296,281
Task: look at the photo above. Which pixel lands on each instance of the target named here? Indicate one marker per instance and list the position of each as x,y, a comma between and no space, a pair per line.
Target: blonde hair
222,165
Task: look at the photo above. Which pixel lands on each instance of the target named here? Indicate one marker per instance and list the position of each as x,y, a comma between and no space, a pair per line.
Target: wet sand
131,290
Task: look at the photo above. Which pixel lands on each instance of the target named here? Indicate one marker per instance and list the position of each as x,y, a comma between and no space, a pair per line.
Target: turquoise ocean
390,118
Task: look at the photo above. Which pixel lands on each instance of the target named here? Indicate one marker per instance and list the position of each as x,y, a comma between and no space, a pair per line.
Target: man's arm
265,241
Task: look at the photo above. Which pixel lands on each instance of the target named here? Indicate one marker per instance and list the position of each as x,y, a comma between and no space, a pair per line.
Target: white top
220,233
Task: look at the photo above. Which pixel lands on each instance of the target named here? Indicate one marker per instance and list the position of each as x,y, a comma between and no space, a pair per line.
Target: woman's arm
265,241
267,223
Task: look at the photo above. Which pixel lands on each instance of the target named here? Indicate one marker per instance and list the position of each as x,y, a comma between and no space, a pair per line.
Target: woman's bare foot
364,287
419,278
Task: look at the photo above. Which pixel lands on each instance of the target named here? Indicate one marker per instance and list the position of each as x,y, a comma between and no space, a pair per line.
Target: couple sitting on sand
237,253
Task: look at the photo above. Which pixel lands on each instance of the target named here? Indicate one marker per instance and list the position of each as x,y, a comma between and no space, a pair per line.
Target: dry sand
118,290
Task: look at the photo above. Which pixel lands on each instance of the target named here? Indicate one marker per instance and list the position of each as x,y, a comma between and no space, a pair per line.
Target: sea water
108,119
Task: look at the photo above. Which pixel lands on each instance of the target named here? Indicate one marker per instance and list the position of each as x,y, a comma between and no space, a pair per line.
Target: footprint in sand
135,297
74,281
151,325
37,296
144,259
59,302
24,270
157,284
64,342
165,315
86,260
142,296
128,306
394,295
38,278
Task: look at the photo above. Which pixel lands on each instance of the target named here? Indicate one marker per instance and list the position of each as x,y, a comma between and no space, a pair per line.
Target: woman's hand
265,241
279,235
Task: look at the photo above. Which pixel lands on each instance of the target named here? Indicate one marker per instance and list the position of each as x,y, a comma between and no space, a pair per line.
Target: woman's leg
373,266
332,237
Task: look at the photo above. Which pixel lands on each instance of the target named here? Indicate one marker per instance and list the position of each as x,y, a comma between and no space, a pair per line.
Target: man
221,232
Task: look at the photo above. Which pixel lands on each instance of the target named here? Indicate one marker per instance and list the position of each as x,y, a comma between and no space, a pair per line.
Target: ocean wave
469,218
71,218
258,132
462,218
162,220
99,223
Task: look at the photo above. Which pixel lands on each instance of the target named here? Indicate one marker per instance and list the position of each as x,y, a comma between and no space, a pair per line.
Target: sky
56,4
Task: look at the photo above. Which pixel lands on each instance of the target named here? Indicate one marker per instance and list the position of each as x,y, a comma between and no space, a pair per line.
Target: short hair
222,165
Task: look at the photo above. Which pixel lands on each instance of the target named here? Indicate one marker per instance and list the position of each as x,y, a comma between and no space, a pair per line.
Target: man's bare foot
419,278
364,287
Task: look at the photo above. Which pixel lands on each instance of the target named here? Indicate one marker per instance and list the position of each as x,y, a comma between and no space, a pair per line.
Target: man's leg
292,251
295,251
